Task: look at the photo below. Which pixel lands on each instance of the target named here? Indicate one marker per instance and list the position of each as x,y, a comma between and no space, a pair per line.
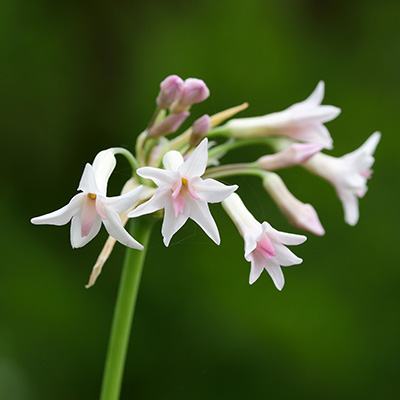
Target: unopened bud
300,215
200,128
297,153
170,91
169,124
194,91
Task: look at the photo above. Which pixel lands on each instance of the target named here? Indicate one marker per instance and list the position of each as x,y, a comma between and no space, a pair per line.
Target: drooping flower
348,174
295,154
264,246
182,193
302,121
299,214
90,208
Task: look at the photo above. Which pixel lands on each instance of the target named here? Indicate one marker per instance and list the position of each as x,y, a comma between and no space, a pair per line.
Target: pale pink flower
90,208
348,174
200,129
302,121
194,91
299,214
182,193
264,246
295,154
170,90
170,124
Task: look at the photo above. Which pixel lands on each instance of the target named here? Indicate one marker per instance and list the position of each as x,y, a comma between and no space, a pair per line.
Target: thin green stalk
243,169
140,229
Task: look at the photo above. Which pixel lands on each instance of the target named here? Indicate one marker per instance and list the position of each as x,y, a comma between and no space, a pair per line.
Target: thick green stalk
140,229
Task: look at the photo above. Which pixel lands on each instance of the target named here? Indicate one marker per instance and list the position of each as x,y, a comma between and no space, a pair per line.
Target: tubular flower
264,246
302,121
90,208
300,215
183,194
348,174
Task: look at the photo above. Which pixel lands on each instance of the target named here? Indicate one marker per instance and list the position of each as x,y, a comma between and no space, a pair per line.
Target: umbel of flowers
176,176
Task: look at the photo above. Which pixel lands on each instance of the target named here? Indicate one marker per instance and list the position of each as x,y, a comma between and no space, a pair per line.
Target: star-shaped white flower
302,121
183,194
89,209
264,246
348,174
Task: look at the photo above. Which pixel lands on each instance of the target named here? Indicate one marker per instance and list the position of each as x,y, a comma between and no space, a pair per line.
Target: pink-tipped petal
178,204
77,240
88,215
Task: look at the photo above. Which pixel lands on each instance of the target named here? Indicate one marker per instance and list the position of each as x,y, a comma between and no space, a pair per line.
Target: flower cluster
177,176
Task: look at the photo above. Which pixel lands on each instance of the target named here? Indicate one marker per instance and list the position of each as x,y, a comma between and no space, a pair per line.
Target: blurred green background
80,76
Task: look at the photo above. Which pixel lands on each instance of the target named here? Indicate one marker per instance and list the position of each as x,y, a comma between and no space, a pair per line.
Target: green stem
123,314
232,170
128,155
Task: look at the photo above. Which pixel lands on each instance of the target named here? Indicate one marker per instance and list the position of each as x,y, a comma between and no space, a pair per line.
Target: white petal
196,163
171,224
250,243
63,215
172,160
115,229
257,266
76,238
275,272
311,132
210,190
157,202
316,97
88,181
160,177
103,165
284,256
370,144
350,205
200,213
289,238
124,202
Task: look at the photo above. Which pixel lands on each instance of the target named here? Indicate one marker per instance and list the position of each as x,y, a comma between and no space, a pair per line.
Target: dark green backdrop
80,76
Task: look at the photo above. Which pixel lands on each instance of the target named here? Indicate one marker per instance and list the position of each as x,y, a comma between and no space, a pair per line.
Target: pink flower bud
300,215
171,89
200,128
297,153
194,91
168,125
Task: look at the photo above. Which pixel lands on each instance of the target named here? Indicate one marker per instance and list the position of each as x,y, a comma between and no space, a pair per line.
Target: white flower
348,174
92,207
263,245
182,193
302,121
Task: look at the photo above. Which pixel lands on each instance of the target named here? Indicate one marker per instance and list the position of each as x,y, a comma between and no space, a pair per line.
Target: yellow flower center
184,181
92,196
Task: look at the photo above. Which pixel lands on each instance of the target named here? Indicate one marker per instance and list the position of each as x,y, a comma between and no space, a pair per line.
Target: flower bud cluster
174,178
177,96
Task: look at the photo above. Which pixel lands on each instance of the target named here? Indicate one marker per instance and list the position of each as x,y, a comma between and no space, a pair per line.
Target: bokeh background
80,76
